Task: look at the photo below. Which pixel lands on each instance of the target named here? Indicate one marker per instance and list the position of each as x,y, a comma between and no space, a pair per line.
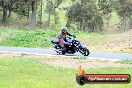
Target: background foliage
85,15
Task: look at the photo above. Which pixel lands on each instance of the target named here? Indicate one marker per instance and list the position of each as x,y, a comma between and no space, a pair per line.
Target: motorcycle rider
62,37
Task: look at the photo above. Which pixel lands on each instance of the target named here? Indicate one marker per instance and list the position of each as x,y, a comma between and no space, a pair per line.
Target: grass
2,31
91,39
126,61
30,73
23,38
41,39
126,51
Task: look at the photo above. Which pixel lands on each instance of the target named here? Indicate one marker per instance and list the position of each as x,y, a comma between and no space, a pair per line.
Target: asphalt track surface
50,52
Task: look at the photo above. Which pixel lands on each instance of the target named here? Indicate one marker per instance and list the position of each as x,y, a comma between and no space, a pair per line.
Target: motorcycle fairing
82,46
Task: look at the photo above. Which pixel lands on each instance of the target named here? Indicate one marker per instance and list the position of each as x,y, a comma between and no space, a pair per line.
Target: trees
51,9
18,6
55,13
124,10
40,11
21,7
33,15
106,6
8,6
4,4
85,15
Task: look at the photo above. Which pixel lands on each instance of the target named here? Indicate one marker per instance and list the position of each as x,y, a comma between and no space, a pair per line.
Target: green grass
30,73
2,31
126,61
41,39
23,38
91,39
126,51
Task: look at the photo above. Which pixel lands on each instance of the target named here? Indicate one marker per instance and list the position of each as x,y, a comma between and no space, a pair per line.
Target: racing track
50,52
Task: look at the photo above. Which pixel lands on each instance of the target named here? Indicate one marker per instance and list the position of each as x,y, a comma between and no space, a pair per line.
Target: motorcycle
73,47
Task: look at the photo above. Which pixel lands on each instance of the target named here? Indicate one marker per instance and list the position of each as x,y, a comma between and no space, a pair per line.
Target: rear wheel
60,50
63,52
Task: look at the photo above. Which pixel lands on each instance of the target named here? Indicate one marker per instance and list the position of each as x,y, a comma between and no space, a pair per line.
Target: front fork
80,49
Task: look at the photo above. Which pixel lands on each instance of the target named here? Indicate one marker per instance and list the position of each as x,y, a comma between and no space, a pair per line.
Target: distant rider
62,37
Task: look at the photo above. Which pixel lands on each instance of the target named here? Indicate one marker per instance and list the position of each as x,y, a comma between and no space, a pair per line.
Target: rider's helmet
64,30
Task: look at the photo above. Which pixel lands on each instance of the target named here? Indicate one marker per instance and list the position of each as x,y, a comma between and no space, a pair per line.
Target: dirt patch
66,61
117,43
87,64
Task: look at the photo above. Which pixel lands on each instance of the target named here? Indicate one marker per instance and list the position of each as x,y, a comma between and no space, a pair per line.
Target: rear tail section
54,41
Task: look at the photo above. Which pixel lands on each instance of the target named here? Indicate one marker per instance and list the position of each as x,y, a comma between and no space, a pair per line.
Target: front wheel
85,51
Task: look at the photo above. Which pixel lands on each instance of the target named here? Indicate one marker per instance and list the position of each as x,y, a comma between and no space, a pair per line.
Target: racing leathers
62,39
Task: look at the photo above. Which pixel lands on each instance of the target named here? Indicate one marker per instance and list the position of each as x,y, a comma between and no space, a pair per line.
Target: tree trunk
41,12
49,9
130,22
56,18
9,15
48,18
33,16
81,26
28,12
108,19
4,20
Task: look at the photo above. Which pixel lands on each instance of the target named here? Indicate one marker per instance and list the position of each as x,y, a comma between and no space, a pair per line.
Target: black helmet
64,29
